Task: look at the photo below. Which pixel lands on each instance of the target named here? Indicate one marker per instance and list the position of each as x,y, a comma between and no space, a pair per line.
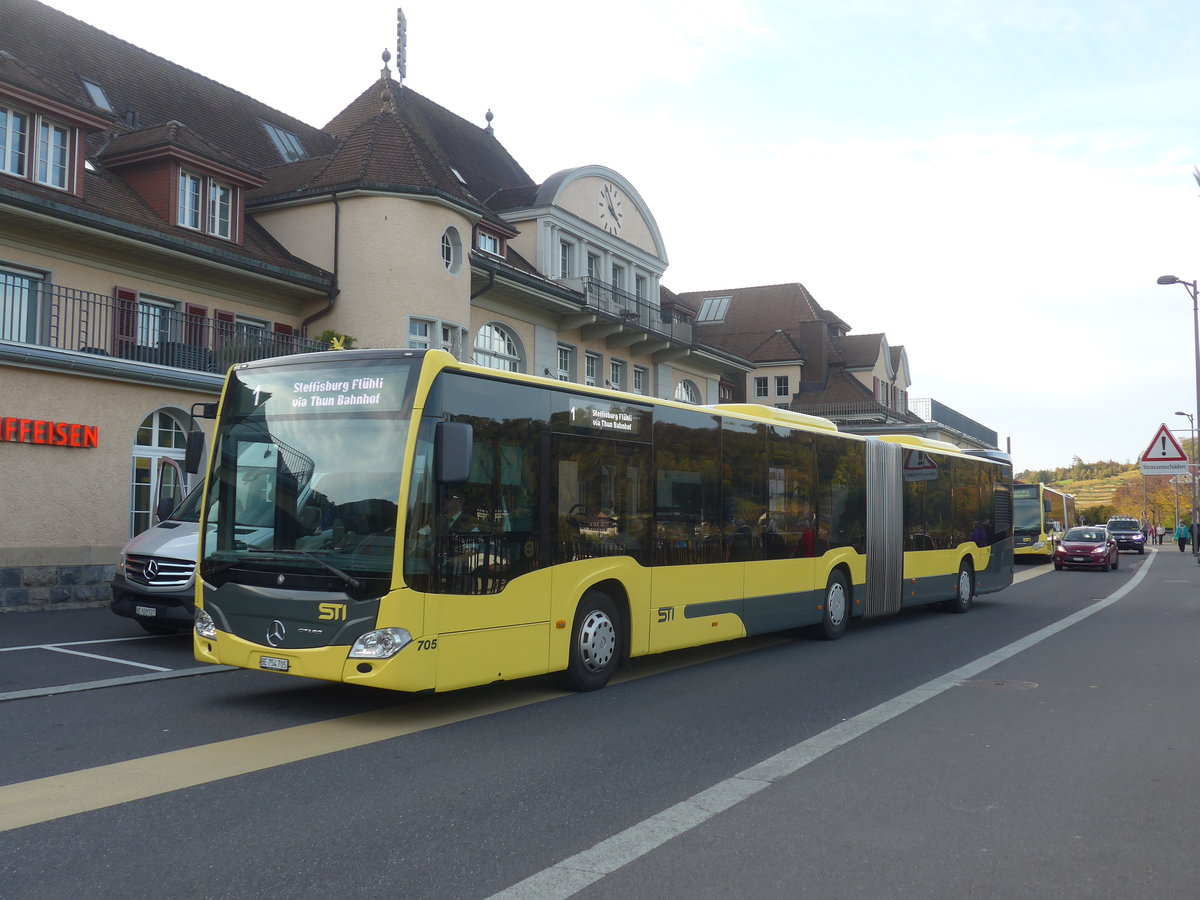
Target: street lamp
1190,286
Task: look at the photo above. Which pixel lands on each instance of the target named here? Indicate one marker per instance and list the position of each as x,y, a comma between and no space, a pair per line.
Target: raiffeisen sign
43,431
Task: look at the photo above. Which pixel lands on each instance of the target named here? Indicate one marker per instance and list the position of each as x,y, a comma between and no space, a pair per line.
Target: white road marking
577,872
111,659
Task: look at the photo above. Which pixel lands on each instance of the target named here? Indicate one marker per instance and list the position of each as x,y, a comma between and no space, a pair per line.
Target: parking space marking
135,637
111,682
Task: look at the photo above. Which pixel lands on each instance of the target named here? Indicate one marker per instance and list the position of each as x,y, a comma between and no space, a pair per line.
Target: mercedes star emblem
276,633
151,569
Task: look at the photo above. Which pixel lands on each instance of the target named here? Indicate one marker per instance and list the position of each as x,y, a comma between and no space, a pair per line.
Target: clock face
610,208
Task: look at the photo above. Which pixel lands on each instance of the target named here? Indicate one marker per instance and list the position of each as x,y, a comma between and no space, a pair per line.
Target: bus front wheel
837,607
964,590
596,644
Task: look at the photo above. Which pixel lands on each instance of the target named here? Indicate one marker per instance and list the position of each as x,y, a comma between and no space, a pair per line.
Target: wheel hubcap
964,586
835,604
597,641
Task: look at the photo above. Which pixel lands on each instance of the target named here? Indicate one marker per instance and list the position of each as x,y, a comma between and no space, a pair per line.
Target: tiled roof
858,351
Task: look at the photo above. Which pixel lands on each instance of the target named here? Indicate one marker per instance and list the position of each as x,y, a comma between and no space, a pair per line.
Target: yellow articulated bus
437,525
1040,516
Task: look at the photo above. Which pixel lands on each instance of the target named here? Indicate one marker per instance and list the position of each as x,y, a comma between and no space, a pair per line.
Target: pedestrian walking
1159,532
1182,535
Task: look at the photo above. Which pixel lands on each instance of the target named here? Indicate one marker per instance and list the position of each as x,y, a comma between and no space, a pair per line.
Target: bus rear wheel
837,607
964,589
596,644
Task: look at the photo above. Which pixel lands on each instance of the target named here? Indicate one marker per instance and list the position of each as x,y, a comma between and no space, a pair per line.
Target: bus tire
964,589
836,613
596,644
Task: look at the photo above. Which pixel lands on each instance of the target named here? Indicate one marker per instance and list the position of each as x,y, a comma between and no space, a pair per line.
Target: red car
1087,547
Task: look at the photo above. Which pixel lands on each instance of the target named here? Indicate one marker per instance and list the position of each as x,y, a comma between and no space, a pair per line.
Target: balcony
616,305
854,412
60,318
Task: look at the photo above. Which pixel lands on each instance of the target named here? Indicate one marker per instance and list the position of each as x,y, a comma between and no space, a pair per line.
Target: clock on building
610,208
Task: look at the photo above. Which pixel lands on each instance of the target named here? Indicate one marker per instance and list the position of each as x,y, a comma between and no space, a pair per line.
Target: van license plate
274,663
145,611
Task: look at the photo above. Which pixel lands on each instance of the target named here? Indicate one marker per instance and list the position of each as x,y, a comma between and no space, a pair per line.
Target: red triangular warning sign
1164,448
917,461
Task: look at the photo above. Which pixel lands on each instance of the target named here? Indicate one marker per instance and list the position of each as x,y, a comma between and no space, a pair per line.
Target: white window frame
189,210
221,200
14,141
488,243
451,246
496,347
421,332
782,388
53,155
566,363
713,310
687,392
640,379
566,252
591,365
760,386
19,292
616,374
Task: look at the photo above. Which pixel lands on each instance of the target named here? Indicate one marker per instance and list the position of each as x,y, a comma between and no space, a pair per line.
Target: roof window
99,98
713,310
286,143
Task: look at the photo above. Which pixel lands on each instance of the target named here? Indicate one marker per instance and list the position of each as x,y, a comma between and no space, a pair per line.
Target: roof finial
401,45
385,76
489,118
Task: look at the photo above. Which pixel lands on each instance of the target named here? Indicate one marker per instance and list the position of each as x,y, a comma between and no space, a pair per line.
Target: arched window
157,471
496,348
687,392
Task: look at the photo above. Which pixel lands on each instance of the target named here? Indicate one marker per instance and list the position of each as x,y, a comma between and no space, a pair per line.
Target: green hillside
1104,489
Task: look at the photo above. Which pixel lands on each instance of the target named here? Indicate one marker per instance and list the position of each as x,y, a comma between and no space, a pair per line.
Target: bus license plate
274,663
145,611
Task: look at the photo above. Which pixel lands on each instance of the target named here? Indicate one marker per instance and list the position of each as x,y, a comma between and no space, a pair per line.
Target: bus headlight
205,626
382,644
1039,545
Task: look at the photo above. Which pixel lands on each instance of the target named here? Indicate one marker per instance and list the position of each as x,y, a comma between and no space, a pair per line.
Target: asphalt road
1043,745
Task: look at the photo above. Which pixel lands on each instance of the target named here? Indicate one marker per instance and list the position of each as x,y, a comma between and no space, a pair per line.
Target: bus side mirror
194,451
452,452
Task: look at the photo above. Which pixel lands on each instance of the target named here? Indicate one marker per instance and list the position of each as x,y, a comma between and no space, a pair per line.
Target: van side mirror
194,451
452,442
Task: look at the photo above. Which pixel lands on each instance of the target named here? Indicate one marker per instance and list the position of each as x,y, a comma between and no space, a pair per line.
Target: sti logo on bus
334,611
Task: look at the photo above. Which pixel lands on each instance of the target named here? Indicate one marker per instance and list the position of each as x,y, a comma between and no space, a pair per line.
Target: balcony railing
932,411
632,310
138,330
854,411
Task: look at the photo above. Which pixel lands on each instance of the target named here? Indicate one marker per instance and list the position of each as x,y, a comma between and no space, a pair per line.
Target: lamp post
1192,426
1190,286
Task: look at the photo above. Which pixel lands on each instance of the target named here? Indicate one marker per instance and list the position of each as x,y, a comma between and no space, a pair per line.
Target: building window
564,259
220,209
712,310
53,142
639,288
496,349
593,266
157,320
286,143
18,305
591,364
760,385
97,95
639,379
781,386
449,337
687,392
489,243
616,375
451,250
14,138
157,471
189,200
566,363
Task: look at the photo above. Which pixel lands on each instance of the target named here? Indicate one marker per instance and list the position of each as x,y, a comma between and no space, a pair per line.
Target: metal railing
674,324
931,410
134,329
861,411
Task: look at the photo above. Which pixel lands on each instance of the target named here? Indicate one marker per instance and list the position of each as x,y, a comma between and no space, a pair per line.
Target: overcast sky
994,185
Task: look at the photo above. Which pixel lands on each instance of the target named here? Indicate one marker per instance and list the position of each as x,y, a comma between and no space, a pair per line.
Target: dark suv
1127,533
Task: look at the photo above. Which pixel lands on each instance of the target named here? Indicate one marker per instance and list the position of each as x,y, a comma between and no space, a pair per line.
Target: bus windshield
306,473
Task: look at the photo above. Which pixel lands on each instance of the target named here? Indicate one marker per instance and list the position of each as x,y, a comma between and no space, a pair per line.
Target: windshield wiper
351,582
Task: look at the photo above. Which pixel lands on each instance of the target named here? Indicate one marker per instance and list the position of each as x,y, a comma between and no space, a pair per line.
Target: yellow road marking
57,796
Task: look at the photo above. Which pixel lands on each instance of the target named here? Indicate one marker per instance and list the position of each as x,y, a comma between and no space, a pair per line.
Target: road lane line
111,659
135,637
57,796
77,686
571,875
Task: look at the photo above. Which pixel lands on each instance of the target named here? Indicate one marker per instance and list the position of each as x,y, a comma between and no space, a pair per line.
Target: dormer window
712,310
14,139
205,204
54,142
489,243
